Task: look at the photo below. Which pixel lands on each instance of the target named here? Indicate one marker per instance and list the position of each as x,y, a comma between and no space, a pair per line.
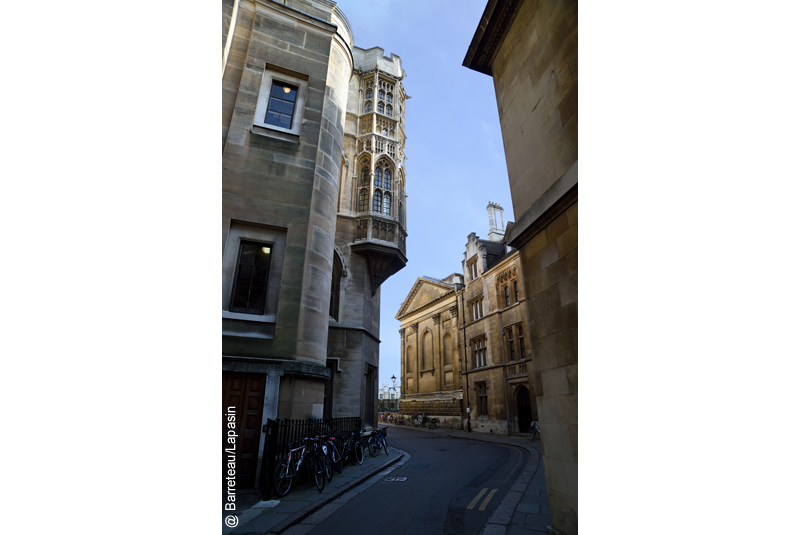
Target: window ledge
275,134
248,317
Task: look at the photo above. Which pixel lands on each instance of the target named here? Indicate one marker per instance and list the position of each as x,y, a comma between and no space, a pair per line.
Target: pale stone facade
488,388
530,48
300,285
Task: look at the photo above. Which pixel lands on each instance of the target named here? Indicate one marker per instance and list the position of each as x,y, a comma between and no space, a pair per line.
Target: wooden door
242,399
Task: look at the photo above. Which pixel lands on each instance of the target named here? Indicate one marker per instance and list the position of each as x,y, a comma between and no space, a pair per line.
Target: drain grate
393,479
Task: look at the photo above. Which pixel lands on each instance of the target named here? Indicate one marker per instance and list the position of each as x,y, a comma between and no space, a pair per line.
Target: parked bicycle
533,431
333,452
353,449
289,468
378,441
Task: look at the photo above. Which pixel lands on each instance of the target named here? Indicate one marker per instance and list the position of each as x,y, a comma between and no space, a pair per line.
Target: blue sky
456,163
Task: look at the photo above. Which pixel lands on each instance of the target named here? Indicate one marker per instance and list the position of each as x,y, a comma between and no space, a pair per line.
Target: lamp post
394,388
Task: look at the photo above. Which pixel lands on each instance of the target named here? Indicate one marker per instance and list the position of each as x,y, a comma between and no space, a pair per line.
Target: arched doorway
523,409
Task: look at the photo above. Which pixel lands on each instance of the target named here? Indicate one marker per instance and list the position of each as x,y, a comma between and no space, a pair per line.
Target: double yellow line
485,502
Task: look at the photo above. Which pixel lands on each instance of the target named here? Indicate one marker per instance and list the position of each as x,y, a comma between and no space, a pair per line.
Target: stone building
530,49
302,258
487,388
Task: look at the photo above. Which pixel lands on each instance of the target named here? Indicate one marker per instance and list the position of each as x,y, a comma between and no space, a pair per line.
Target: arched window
369,94
389,111
363,195
376,202
381,94
387,179
387,204
368,107
389,98
378,177
380,107
364,177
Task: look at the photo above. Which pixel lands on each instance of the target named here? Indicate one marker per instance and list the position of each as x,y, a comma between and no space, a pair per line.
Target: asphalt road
453,486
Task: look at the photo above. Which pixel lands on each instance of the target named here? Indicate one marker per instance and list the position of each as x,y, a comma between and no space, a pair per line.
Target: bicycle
320,449
376,441
353,450
289,468
533,431
333,452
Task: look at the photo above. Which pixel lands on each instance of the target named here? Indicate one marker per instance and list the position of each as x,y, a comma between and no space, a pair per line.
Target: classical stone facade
530,48
300,284
488,388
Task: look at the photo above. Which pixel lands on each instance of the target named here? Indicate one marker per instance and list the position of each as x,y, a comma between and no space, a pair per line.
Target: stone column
402,361
437,353
415,331
457,343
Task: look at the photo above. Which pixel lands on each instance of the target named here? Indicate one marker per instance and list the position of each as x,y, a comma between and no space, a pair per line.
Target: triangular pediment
423,292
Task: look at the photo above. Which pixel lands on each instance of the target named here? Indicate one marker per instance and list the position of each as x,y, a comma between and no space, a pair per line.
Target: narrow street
452,487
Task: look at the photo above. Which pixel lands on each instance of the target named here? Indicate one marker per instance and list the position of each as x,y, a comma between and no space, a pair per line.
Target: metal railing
282,432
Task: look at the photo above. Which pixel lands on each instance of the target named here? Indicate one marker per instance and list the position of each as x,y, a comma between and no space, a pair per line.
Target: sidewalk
523,511
279,514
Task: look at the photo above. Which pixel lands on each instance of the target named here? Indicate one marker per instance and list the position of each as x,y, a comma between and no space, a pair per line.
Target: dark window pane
240,294
291,95
273,118
244,274
277,90
256,302
378,177
287,108
275,104
285,121
260,277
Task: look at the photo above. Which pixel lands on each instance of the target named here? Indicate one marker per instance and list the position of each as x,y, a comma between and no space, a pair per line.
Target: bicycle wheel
359,451
373,447
317,466
337,458
327,459
283,478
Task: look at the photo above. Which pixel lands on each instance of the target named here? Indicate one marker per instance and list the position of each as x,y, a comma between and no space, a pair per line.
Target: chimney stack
496,225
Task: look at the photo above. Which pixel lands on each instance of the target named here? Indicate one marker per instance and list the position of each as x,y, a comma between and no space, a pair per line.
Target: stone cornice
492,30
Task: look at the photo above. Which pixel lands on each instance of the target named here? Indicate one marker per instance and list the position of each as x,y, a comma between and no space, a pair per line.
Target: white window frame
275,73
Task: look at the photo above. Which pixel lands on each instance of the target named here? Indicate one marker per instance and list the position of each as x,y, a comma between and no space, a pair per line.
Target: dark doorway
370,396
523,409
242,408
327,408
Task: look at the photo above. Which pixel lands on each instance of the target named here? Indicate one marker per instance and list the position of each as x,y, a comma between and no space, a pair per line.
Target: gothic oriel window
378,177
506,296
521,340
380,107
364,181
369,94
516,292
387,179
389,98
368,107
376,202
363,195
381,94
387,204
389,111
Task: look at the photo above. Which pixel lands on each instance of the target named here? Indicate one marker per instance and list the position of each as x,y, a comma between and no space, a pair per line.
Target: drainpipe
466,358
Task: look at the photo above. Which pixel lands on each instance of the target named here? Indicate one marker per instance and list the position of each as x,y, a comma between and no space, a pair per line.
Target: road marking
487,500
478,497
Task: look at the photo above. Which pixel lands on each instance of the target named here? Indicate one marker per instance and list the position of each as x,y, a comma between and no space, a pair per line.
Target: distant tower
496,225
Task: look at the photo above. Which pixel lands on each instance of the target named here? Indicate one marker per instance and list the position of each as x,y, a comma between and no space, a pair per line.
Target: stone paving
523,511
